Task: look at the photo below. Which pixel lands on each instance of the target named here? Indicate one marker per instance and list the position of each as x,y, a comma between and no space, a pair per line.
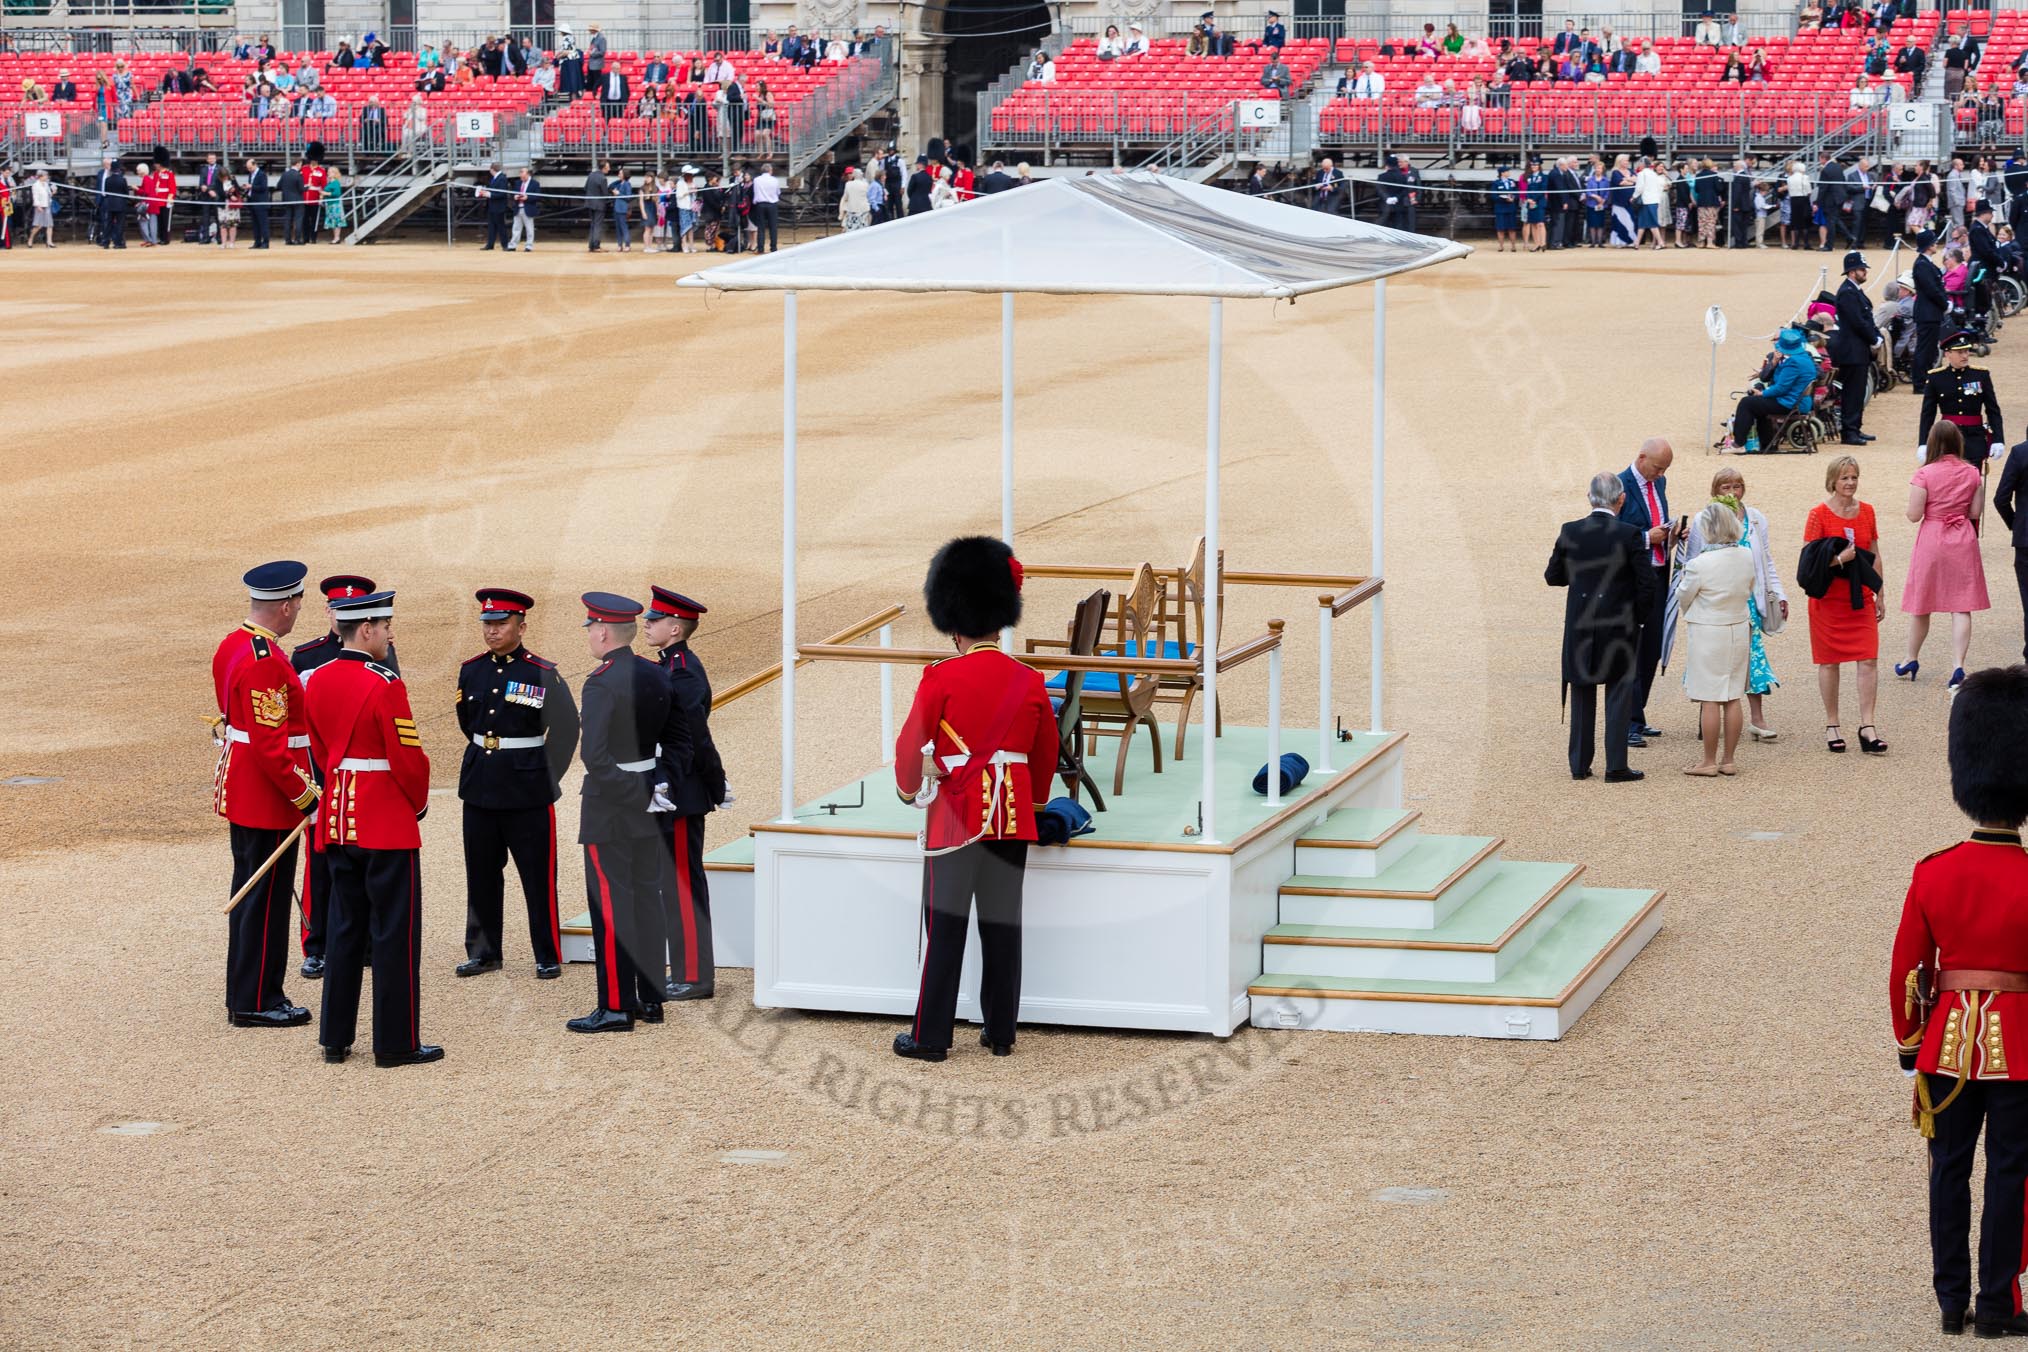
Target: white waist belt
363,763
997,758
648,764
490,742
299,742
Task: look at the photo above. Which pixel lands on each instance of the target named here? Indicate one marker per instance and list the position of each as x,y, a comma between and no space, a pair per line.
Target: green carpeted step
1359,827
1556,964
1422,872
1515,892
734,853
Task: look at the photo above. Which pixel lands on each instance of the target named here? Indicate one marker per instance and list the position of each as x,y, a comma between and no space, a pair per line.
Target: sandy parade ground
1717,1156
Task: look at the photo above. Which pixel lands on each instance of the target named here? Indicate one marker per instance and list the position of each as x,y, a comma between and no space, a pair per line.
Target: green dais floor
1433,859
1508,895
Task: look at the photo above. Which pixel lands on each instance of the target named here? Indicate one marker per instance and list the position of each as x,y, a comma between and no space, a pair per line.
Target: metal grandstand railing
202,25
1399,25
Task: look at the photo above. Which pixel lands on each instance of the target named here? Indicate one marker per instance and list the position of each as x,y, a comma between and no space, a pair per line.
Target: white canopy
1134,234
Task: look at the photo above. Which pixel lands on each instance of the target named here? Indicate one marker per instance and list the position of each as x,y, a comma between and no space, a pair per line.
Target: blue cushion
1095,682
1108,683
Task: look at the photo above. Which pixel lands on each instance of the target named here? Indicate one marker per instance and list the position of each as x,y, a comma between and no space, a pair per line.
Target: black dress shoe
548,971
1850,441
689,990
650,1012
1868,436
336,1055
998,1048
603,1021
2000,1326
904,1045
1953,1323
1624,776
476,967
420,1056
1635,739
288,1016
1646,731
1580,774
313,969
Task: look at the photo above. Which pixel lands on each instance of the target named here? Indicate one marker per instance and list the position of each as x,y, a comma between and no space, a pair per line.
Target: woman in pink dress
1945,575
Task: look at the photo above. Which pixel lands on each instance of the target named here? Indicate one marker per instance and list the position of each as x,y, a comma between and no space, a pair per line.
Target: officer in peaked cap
262,787
693,790
363,732
521,728
625,709
306,658
1961,393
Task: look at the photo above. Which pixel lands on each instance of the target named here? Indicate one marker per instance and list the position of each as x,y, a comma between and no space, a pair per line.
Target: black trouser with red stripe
991,871
2001,1106
316,901
376,916
258,945
686,899
621,878
492,836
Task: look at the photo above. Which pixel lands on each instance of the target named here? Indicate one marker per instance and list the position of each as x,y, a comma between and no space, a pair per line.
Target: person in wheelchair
1896,318
1790,378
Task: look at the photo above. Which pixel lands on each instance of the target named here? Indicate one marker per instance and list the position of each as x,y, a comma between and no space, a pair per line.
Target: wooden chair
1115,705
1184,619
1066,692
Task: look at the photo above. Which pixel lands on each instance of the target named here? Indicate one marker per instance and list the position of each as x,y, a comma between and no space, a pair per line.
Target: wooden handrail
1367,589
1252,648
1102,572
769,674
1126,666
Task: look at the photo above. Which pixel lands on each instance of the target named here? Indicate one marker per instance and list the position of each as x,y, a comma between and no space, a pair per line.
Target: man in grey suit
595,58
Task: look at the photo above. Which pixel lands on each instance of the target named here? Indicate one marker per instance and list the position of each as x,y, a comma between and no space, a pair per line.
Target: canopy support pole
1379,566
1207,646
1007,435
788,557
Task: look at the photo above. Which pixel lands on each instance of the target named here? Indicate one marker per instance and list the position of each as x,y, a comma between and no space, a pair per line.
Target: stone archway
952,51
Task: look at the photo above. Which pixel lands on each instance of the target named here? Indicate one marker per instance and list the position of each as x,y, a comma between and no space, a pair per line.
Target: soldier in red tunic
978,752
1959,993
376,788
262,787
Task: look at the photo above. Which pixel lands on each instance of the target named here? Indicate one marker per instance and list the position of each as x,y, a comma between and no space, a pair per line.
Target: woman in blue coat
1534,206
1506,209
1620,202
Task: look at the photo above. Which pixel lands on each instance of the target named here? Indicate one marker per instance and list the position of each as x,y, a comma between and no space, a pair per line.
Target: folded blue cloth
1294,771
1060,820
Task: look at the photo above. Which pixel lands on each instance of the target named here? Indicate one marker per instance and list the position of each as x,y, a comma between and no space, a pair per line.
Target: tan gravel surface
1718,1155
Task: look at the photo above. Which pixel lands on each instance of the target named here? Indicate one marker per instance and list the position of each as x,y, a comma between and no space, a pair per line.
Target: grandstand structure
959,71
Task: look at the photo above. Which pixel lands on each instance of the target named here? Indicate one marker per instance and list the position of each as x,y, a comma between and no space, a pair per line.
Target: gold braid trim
1925,1111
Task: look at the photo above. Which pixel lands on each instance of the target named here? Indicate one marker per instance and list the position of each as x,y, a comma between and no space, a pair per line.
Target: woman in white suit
1770,610
1713,591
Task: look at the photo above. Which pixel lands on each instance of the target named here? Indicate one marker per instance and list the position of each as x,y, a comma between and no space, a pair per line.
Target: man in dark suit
499,195
1930,305
919,185
613,90
210,191
1852,344
258,195
2010,500
656,72
1327,194
1603,562
292,204
1830,199
102,214
997,179
1645,485
1739,206
1985,255
118,198
1397,211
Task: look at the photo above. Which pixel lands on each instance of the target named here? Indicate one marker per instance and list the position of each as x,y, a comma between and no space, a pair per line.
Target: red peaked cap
497,603
610,608
341,585
667,602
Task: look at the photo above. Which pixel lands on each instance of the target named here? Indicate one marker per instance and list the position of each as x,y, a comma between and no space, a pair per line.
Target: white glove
661,801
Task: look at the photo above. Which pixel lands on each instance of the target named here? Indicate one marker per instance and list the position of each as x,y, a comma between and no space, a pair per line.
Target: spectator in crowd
41,209
767,200
1787,390
1912,59
1961,58
920,184
64,90
1111,45
1371,84
373,124
1476,49
622,190
1534,207
1731,34
229,214
1767,601
1845,617
1956,191
942,193
1708,195
1713,594
1596,185
1567,40
1453,41
427,58
1328,191
854,213
720,70
597,194
1651,189
123,90
1796,207
1946,576
1707,32
998,180
1137,41
333,198
527,203
1645,505
595,57
1863,94
1741,214
613,93
1429,93
1275,76
543,77
1649,62
1427,45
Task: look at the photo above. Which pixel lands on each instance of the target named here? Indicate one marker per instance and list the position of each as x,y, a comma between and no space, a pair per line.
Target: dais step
1358,842
1539,998
1420,890
1481,941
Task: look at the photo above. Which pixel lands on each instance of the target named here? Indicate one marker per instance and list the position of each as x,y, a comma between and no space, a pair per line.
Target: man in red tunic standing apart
978,752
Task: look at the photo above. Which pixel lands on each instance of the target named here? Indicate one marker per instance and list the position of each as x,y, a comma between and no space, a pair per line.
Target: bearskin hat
973,588
1989,746
314,152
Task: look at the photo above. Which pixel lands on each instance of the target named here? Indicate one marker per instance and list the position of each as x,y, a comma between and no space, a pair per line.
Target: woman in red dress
1839,633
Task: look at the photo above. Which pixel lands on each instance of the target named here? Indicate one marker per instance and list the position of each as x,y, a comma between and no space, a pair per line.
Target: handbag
1880,202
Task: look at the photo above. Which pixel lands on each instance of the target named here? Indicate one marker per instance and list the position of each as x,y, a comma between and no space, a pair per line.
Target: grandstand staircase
388,200
1386,929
